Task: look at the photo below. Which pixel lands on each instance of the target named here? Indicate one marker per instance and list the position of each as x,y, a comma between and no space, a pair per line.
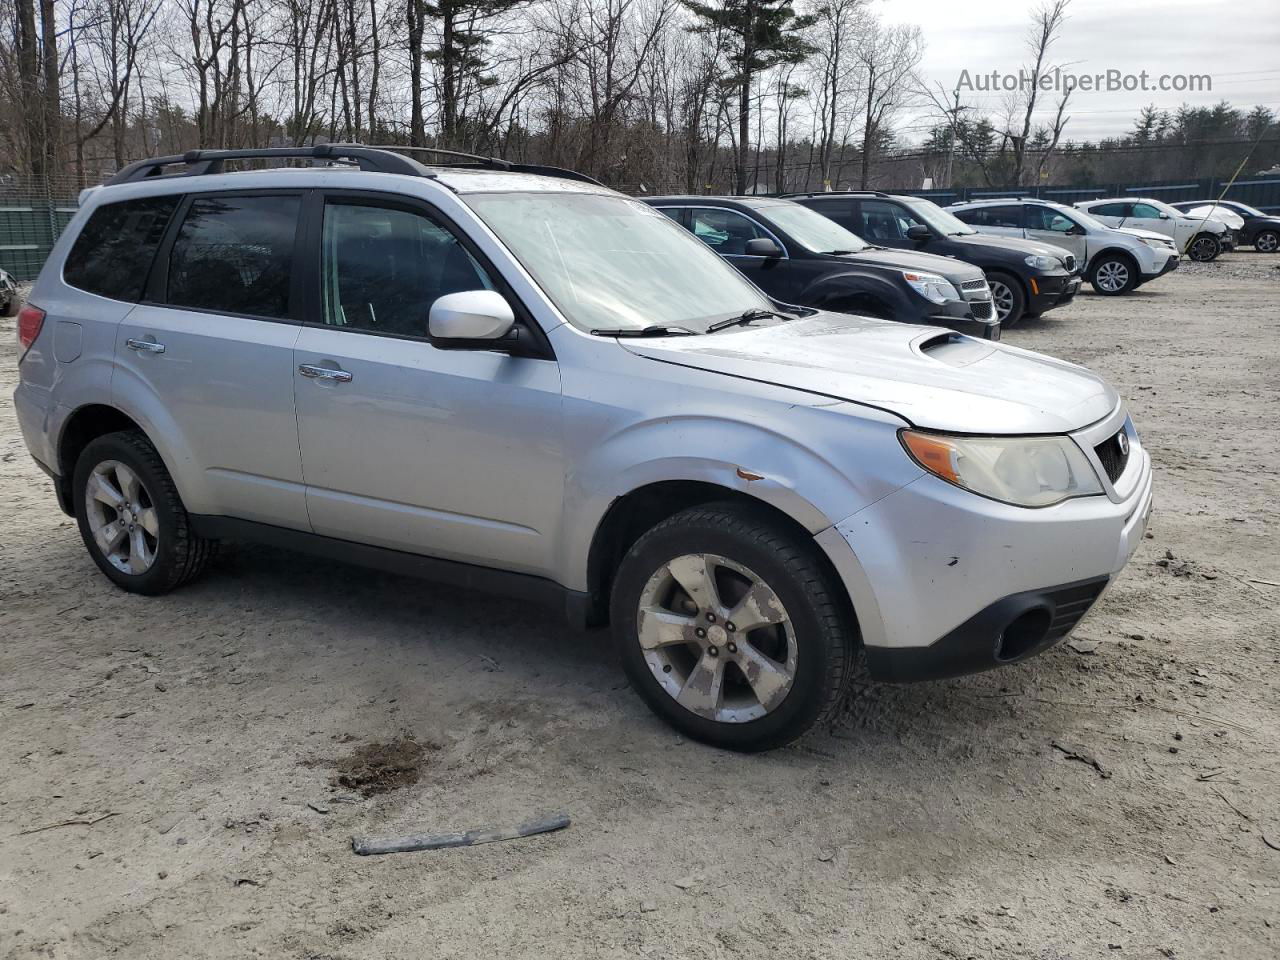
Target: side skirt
573,604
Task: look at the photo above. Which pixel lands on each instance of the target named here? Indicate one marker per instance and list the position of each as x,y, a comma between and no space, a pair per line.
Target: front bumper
1170,265
945,582
977,318
1046,292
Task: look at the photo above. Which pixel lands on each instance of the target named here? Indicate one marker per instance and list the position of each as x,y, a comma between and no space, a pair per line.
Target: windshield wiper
838,253
748,317
650,331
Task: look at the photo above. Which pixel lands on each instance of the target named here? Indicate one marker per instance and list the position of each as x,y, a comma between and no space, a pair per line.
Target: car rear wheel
131,518
1112,275
1268,241
1006,293
1204,248
730,627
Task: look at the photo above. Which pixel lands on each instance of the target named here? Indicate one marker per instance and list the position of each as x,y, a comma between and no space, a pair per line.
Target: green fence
31,218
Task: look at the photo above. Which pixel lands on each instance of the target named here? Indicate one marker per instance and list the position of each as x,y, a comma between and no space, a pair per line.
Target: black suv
1026,278
798,257
1260,229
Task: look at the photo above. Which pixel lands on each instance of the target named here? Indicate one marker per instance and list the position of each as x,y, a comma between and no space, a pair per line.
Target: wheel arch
855,284
631,515
84,425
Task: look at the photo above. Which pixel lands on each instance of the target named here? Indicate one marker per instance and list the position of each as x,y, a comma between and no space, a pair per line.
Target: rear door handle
323,373
144,346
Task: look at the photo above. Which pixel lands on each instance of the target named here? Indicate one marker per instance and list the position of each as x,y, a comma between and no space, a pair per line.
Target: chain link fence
32,216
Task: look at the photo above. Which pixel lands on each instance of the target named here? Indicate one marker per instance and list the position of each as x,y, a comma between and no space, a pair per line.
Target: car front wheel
731,628
1007,295
131,518
1112,275
1204,248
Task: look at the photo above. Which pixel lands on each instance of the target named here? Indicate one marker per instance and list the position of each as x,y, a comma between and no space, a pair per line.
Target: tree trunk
52,101
417,124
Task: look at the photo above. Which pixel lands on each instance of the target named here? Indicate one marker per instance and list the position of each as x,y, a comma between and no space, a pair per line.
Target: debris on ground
1084,645
367,846
382,767
1076,752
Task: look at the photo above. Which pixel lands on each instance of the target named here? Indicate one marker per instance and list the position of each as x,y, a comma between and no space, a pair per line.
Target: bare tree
887,58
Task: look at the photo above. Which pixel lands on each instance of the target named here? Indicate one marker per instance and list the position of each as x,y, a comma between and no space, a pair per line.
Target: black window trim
536,345
155,291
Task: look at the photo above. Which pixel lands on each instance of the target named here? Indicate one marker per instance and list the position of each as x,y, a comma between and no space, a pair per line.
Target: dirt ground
170,768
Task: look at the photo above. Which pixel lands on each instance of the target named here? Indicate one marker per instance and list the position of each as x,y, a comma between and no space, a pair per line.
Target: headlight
1159,244
931,286
1041,262
1025,471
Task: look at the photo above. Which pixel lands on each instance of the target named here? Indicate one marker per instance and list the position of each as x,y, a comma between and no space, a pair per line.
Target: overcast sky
1237,43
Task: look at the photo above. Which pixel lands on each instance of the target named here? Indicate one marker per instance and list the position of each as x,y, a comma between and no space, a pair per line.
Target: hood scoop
954,349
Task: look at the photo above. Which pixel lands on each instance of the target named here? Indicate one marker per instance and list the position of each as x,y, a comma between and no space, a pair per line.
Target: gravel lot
196,741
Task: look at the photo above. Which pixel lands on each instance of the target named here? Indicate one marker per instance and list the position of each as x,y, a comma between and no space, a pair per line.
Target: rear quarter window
113,253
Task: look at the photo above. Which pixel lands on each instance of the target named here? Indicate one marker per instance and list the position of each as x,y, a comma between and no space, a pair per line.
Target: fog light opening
1024,634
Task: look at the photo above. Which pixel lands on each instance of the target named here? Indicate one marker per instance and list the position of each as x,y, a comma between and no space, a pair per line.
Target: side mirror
471,315
1076,230
918,232
1163,215
763,247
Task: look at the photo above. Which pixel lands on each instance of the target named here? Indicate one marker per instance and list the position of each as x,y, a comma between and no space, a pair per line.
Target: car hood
932,378
1139,232
1015,244
948,267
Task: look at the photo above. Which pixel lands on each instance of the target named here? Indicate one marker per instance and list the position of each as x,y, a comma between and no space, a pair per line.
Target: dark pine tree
758,35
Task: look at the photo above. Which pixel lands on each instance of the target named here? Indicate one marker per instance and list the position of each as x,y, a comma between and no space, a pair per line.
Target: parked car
9,299
1262,230
1198,238
1115,260
798,256
536,385
1026,279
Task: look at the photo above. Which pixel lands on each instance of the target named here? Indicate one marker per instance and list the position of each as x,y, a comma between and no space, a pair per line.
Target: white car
1215,210
1114,260
1198,238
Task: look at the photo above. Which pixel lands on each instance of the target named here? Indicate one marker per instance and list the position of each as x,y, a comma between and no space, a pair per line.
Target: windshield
613,263
811,229
1080,217
941,221
1247,210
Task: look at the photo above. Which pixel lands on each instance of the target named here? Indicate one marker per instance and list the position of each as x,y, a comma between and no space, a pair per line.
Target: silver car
533,384
1115,260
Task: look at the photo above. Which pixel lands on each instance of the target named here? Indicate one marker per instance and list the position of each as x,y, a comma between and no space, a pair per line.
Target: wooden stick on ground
369,846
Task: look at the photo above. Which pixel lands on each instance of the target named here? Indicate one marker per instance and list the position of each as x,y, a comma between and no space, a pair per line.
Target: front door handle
144,346
323,373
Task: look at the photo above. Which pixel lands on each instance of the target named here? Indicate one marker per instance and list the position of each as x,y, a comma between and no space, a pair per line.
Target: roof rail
376,159
200,162
495,163
836,193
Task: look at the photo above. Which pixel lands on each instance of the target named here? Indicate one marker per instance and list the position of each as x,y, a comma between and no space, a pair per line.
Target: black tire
1204,248
180,555
825,640
1017,298
1267,241
1124,265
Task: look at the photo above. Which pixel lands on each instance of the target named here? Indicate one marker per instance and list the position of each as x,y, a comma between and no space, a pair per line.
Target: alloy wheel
717,638
1267,242
122,517
1003,297
1113,276
1204,249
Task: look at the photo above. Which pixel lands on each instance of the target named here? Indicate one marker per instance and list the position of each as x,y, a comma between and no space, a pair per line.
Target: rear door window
113,253
235,255
1111,210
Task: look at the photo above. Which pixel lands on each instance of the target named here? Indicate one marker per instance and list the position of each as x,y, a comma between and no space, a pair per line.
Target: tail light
30,320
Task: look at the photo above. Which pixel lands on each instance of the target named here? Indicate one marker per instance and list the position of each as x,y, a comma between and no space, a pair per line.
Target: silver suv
1115,260
534,384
